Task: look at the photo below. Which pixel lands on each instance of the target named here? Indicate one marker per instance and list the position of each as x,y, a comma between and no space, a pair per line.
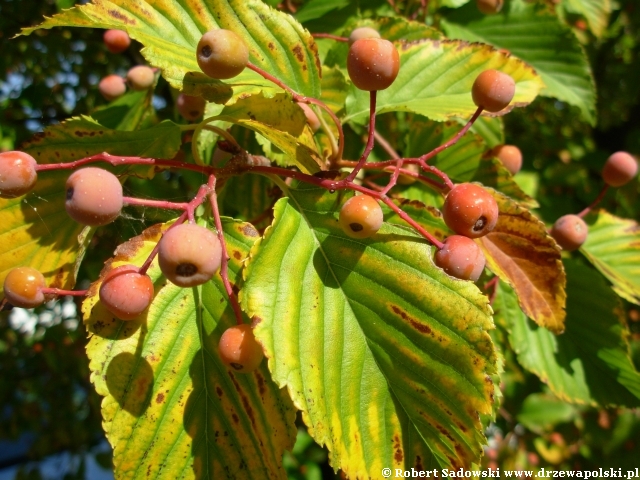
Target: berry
407,179
222,54
140,77
239,349
116,41
94,196
493,90
125,292
619,169
570,232
189,255
489,7
23,287
17,174
191,108
373,63
510,156
361,216
112,87
470,210
363,32
461,258
312,118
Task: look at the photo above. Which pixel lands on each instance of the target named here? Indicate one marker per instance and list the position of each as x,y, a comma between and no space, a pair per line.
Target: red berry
363,32
125,292
493,90
470,210
112,87
619,169
23,287
570,231
94,196
189,255
361,216
510,156
191,108
239,349
140,77
116,41
222,54
17,174
489,7
373,63
461,257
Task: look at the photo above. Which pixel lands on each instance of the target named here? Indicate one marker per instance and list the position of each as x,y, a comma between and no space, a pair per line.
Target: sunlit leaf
595,11
521,253
376,365
172,409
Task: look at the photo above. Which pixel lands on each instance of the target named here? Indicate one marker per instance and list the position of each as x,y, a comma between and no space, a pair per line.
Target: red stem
394,177
142,202
224,271
370,138
328,35
60,292
598,199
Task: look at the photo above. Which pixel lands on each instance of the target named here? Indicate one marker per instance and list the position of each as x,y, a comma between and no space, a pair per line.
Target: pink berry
17,174
189,255
116,41
510,156
222,54
570,231
23,287
125,292
489,7
361,216
312,118
362,32
470,210
94,196
373,63
191,108
619,169
461,257
140,77
112,87
239,349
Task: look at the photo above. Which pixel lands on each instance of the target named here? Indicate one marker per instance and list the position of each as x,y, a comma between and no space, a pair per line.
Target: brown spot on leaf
297,51
237,255
123,18
414,323
398,455
418,463
219,391
160,398
249,230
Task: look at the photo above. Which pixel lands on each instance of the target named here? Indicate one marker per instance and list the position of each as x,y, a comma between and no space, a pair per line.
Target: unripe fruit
361,216
191,108
570,231
112,87
125,292
470,210
189,254
140,77
363,32
510,156
239,349
489,7
493,90
373,63
312,118
23,287
94,196
116,41
17,174
222,54
461,257
619,169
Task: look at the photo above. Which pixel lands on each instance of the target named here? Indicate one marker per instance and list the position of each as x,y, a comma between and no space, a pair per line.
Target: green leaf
248,197
127,112
491,129
589,363
387,356
317,8
556,53
172,409
35,229
595,11
170,31
435,80
541,413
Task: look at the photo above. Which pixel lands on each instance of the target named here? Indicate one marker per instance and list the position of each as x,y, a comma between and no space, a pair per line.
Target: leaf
35,230
556,53
521,253
435,80
378,347
595,11
317,8
282,123
613,247
248,197
491,129
171,408
170,31
127,112
590,362
540,413
464,161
